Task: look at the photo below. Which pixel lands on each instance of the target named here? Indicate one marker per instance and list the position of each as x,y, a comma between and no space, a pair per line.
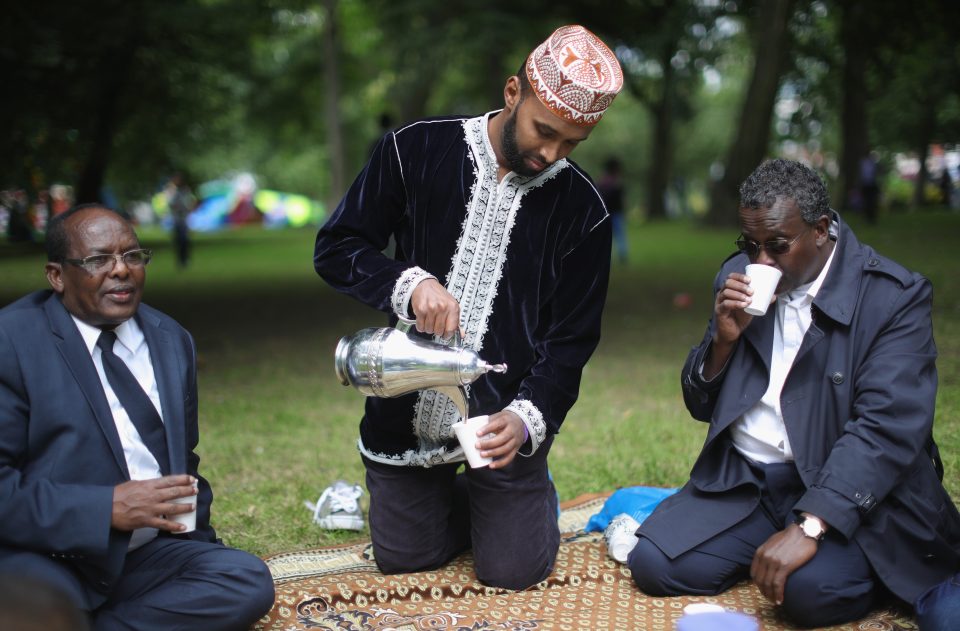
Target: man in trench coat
819,478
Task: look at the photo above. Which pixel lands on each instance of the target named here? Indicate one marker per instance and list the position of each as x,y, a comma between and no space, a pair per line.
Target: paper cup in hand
187,519
763,282
466,432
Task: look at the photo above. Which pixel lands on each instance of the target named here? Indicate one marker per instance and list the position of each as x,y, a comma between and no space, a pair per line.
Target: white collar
809,291
128,333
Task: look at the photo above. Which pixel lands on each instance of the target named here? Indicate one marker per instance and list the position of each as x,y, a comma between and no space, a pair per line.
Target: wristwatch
811,527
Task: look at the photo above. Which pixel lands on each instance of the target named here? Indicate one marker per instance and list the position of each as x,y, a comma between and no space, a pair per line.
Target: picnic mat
340,588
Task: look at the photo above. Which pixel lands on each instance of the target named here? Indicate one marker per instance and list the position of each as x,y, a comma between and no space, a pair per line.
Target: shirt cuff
533,423
403,289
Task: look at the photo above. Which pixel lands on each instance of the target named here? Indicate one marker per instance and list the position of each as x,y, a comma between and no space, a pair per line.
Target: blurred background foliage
117,94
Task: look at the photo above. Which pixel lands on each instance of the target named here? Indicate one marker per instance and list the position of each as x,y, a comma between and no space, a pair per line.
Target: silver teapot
389,362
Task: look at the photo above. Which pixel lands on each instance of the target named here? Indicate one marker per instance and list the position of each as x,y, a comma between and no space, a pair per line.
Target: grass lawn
277,427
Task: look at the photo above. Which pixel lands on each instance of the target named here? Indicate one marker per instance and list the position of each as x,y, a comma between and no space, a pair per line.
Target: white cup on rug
693,608
466,432
717,621
187,519
763,282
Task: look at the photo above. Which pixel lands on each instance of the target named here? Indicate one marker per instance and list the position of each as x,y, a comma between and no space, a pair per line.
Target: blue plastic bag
636,501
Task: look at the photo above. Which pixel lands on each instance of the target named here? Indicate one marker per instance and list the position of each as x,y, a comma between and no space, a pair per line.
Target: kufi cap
575,75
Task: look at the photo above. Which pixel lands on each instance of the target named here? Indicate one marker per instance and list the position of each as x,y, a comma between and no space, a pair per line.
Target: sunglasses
774,247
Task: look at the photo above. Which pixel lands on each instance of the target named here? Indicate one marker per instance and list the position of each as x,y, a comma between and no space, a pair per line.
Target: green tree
90,75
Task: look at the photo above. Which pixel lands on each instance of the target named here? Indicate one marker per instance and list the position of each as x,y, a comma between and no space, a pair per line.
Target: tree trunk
661,157
856,140
923,150
331,72
753,132
111,88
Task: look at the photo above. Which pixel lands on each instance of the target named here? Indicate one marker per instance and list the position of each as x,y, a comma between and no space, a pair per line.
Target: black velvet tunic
528,259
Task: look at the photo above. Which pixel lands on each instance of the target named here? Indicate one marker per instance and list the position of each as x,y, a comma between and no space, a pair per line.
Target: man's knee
693,572
248,580
813,601
649,566
393,560
512,571
938,609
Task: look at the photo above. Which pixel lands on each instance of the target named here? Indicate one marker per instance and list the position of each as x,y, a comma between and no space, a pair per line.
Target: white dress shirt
760,433
131,347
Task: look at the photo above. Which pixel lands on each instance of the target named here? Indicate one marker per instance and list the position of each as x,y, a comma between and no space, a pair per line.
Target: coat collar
837,298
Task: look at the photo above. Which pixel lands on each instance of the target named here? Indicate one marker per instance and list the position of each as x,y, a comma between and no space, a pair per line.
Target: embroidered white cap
575,75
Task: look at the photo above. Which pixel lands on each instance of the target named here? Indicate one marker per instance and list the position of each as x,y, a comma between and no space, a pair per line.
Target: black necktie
135,401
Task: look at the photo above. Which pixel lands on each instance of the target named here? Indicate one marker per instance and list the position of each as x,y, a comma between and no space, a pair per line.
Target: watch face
811,528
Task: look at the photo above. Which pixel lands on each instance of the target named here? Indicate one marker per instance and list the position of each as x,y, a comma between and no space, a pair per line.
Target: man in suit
90,464
819,477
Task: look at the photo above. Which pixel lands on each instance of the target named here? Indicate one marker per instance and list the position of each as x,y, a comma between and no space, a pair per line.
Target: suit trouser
169,584
938,609
421,517
835,586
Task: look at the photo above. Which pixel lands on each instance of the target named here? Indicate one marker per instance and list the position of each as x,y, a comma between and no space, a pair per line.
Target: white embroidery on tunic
533,419
403,289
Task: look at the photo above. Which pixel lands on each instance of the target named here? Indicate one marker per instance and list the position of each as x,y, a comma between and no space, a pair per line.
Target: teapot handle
405,324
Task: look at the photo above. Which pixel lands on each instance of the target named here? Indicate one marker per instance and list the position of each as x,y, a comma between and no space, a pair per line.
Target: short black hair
525,87
786,179
58,237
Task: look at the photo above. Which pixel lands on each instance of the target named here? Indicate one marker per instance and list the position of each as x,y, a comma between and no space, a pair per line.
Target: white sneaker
337,508
621,537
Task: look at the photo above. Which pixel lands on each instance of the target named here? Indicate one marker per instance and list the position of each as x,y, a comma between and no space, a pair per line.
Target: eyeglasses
775,247
96,263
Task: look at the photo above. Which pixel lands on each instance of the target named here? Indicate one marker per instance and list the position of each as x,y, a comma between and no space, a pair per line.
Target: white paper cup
466,432
694,608
763,281
187,519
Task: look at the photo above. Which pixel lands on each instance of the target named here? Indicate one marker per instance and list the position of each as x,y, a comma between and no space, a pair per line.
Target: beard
511,150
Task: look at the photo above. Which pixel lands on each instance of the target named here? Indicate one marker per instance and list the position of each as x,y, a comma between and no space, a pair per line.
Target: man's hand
144,503
777,558
507,440
733,297
731,321
437,312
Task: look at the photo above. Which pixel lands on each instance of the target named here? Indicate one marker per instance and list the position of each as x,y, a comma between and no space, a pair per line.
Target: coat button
837,378
874,262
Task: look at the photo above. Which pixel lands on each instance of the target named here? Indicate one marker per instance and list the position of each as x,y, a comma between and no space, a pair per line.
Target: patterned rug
340,588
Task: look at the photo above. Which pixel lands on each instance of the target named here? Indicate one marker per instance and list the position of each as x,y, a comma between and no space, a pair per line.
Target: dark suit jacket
60,454
858,405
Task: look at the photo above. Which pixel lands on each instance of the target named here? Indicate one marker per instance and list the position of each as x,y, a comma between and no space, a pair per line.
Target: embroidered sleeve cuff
403,290
532,421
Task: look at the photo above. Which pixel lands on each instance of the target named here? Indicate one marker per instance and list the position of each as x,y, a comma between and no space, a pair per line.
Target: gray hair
786,179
